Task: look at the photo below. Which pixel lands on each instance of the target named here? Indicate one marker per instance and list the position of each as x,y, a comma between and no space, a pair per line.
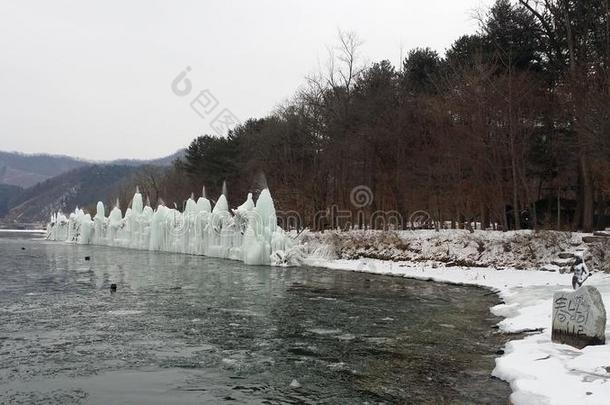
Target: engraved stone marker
579,318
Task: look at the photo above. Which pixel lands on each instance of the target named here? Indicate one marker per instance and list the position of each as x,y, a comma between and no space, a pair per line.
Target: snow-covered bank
539,371
526,249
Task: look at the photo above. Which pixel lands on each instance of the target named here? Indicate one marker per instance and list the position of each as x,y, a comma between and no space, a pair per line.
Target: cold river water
191,329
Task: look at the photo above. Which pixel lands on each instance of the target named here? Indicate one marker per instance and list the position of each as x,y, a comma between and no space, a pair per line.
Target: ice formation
248,233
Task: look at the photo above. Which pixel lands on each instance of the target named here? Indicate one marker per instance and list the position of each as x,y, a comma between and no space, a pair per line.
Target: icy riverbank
539,371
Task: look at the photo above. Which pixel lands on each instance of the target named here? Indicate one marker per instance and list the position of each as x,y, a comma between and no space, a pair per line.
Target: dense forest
508,129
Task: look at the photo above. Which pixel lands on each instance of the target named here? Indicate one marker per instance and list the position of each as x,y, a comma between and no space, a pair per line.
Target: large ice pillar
115,223
137,204
218,221
157,228
203,205
189,223
99,222
261,224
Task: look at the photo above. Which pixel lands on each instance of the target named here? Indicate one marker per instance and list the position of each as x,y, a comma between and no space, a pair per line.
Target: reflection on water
191,329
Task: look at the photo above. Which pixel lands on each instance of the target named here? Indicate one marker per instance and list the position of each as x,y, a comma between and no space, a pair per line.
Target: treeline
510,128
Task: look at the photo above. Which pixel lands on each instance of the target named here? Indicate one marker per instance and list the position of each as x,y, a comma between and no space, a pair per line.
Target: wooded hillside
507,128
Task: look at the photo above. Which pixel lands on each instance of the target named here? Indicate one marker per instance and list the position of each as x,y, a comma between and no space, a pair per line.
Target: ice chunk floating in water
248,233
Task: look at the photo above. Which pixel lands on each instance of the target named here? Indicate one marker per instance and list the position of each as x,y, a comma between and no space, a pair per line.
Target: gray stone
566,255
563,262
579,318
594,239
550,267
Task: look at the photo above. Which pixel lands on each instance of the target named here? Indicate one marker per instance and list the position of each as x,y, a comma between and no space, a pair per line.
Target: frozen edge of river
538,371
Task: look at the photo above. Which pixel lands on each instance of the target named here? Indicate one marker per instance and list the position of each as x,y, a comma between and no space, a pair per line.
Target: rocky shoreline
551,251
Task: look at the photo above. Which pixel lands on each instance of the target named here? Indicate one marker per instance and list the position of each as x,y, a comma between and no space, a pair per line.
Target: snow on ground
539,371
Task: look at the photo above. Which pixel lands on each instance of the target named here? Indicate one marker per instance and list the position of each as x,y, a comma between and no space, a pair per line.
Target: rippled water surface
189,329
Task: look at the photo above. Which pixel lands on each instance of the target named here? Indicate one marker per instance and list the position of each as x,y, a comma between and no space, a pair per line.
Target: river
191,329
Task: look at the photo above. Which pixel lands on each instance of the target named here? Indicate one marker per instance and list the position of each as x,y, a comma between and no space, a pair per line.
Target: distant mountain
25,170
164,161
81,187
8,194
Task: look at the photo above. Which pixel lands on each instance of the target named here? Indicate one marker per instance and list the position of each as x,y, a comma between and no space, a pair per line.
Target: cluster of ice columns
248,233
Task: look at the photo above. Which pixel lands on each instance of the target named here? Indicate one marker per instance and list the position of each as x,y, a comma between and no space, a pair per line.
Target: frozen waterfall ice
248,233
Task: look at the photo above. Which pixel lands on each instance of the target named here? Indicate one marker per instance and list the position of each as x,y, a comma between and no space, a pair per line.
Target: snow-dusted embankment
524,249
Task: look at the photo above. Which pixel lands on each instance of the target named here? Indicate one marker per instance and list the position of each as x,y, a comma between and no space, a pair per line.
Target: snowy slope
515,249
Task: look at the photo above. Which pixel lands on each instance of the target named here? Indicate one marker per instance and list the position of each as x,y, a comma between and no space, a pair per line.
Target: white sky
93,79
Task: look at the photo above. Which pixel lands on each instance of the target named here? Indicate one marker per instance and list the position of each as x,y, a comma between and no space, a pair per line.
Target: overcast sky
94,79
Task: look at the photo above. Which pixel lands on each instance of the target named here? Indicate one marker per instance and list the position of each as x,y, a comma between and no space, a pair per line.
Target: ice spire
147,211
190,206
203,204
246,206
221,205
100,211
115,216
136,202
